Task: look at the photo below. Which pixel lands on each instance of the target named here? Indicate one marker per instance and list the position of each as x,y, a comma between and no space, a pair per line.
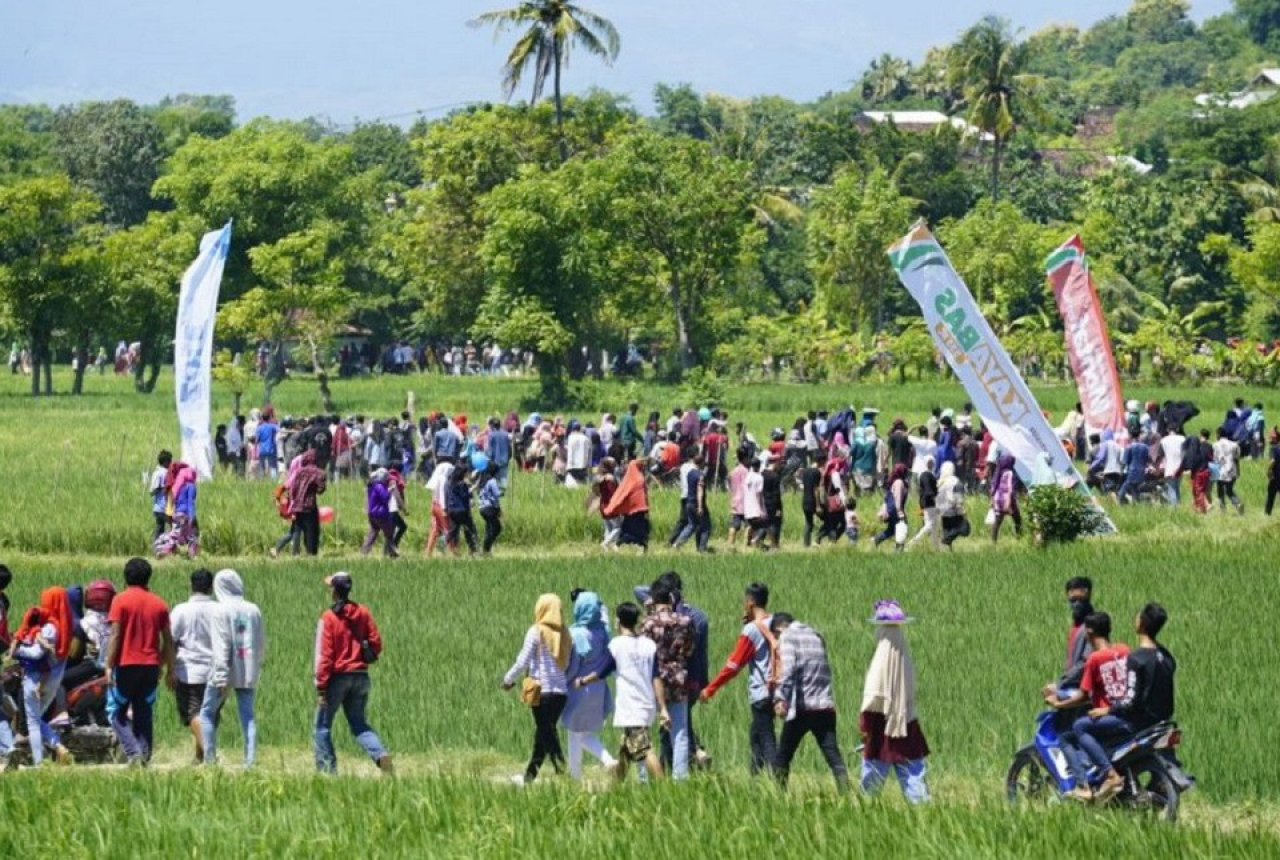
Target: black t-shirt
901,450
928,490
810,478
772,493
1150,696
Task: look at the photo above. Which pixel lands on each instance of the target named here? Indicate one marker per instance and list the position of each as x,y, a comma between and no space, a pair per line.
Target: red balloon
326,515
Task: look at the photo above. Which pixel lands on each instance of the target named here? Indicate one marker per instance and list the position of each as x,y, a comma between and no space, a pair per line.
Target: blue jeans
245,698
911,776
39,689
679,712
1090,732
350,692
6,735
1173,490
1130,486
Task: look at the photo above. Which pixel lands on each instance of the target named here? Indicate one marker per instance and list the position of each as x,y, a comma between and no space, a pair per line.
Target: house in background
919,122
1264,85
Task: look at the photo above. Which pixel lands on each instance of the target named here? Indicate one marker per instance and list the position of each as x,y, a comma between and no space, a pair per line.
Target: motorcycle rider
1104,681
1079,597
1148,698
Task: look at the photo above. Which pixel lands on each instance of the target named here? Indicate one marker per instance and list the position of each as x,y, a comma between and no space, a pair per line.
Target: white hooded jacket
239,639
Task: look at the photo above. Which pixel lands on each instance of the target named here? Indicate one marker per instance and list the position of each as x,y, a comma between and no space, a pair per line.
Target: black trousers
764,744
162,526
492,526
308,523
400,527
822,724
546,736
462,521
136,685
1273,489
954,527
809,517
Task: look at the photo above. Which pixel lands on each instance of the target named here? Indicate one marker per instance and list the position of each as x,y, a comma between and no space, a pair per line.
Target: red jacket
338,642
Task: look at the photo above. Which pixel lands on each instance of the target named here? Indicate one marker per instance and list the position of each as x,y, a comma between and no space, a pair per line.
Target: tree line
734,236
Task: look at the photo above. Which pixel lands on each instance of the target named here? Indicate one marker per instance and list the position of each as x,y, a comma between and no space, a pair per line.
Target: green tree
542,253
145,265
1000,253
682,220
850,224
887,79
1160,21
385,148
43,227
988,65
114,149
1262,18
273,182
551,28
302,298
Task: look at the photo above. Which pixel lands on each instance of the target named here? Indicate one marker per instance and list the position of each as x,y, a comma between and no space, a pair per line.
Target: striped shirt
805,682
538,662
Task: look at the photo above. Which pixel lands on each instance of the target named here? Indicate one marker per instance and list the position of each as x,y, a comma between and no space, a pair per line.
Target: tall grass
215,815
991,631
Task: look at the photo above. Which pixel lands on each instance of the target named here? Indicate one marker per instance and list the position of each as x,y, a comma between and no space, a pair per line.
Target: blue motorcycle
1153,776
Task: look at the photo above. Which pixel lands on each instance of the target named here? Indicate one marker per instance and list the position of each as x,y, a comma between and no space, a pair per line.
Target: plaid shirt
673,634
805,683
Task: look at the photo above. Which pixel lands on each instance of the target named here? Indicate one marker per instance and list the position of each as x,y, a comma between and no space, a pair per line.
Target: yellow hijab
548,618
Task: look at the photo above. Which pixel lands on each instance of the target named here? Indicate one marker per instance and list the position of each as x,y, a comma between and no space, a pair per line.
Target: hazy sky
378,58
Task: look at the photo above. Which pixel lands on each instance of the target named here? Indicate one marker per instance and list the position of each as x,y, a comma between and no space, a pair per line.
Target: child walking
640,694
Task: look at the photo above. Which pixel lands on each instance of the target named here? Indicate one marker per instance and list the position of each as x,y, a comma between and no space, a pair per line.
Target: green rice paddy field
991,631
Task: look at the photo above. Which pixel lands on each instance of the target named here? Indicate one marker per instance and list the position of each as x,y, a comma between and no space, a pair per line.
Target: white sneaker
518,779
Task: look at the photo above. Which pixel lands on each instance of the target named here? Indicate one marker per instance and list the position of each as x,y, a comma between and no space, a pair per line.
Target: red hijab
55,609
632,496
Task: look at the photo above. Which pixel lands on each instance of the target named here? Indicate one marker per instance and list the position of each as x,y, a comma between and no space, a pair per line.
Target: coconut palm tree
887,80
987,65
550,29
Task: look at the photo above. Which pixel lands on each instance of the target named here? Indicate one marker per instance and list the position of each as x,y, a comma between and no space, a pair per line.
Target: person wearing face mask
1079,598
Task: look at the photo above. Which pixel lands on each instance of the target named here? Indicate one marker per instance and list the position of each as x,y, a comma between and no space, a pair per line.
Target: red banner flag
1088,345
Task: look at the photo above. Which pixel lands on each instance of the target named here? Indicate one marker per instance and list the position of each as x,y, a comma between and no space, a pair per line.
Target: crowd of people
211,647
921,479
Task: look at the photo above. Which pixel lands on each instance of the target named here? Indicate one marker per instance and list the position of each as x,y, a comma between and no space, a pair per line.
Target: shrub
1060,515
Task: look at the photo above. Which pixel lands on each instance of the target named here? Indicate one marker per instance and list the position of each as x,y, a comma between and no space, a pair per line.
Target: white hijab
890,687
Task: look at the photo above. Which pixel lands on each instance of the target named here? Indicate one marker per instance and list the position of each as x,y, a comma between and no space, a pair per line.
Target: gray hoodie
239,640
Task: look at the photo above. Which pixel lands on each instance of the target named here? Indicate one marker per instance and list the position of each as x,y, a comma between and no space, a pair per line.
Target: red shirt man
1106,676
140,644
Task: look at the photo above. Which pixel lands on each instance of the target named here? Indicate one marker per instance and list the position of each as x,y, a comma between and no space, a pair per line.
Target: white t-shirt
634,704
684,479
1171,445
753,496
578,451
191,624
924,448
1227,455
438,483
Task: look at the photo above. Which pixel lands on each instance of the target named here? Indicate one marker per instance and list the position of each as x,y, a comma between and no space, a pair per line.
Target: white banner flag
193,349
993,383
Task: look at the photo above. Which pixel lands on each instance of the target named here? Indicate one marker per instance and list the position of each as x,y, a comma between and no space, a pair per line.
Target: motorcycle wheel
1027,781
1150,789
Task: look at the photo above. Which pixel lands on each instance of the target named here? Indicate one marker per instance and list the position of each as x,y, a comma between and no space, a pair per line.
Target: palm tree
887,80
553,27
987,65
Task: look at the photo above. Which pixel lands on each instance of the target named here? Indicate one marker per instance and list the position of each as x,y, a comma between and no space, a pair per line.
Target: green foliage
850,224
114,149
1059,515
